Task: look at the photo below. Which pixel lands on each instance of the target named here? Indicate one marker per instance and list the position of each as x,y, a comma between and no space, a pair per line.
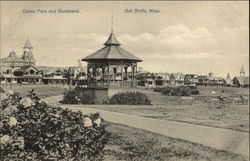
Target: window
32,72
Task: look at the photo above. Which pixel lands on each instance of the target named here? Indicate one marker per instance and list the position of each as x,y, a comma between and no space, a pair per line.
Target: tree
68,73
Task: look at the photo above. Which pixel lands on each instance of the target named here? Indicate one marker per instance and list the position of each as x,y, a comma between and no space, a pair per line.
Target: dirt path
223,139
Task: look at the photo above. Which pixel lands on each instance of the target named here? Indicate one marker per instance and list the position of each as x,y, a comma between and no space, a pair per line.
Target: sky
188,36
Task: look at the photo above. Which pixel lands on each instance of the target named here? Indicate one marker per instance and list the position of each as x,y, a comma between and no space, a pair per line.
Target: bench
220,102
240,100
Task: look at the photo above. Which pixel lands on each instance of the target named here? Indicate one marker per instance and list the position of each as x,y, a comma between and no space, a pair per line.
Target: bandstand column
108,75
114,70
122,73
132,73
133,68
135,74
103,72
103,75
126,72
94,73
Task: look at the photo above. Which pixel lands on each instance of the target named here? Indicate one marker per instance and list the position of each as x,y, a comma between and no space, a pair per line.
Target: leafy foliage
178,91
130,98
1,90
158,89
33,130
168,91
78,96
194,90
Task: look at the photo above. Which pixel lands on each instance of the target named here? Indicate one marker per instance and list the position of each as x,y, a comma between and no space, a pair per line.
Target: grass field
166,107
42,91
128,143
228,91
234,117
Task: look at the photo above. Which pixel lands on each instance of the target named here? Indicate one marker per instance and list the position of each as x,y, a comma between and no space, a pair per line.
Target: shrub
33,130
180,91
158,89
185,91
77,96
70,97
87,99
130,98
1,90
167,91
177,91
194,90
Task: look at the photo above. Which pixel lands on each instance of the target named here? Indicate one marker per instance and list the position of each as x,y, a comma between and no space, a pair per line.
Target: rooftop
112,51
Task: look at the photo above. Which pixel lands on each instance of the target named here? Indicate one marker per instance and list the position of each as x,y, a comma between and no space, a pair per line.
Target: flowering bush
77,96
130,98
33,130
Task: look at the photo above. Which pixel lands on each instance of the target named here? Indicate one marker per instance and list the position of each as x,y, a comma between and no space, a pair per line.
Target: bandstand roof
112,51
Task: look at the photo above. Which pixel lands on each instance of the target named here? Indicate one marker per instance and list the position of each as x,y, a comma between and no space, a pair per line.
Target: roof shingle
112,51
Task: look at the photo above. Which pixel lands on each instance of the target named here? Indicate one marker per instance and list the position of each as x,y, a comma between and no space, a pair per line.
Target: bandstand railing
111,84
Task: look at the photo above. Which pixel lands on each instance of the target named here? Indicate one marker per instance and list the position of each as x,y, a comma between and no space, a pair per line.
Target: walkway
223,139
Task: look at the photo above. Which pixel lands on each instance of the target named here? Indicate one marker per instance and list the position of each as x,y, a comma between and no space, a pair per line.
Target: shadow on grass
127,143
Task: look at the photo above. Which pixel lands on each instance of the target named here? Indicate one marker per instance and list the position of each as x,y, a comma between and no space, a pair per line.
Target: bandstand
111,66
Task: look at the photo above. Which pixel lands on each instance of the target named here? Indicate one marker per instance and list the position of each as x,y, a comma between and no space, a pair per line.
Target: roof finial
242,69
112,21
12,48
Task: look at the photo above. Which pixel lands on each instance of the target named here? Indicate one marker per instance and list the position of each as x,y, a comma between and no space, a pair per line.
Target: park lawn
205,91
127,143
234,117
228,91
42,91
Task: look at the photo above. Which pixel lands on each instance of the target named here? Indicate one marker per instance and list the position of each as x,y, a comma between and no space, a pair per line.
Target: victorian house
215,81
146,79
162,79
191,79
54,76
177,79
20,69
203,80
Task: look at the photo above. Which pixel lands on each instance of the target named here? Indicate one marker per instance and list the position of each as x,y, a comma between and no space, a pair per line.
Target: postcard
124,80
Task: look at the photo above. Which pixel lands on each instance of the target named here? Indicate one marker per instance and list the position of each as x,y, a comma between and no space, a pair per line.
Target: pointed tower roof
242,69
112,40
28,44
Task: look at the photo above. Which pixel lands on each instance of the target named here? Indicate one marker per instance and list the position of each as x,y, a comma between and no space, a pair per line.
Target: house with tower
20,69
241,81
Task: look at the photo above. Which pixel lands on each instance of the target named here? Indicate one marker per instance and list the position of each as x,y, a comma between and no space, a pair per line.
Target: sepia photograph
124,80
